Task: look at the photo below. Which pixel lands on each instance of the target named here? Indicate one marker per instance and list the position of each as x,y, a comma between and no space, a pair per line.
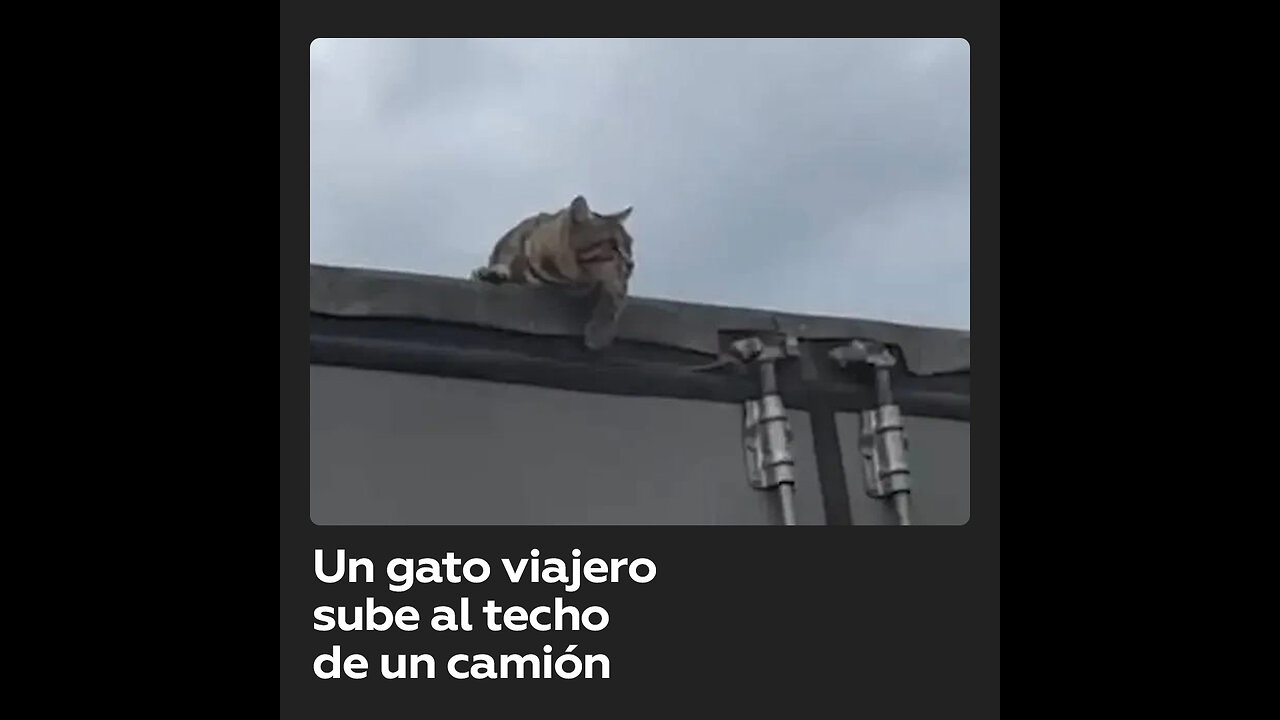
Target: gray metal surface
398,449
349,292
939,457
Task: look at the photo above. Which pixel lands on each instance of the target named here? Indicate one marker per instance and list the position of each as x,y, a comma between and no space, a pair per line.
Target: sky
817,176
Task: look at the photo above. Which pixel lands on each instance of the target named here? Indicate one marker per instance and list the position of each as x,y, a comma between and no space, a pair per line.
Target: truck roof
359,293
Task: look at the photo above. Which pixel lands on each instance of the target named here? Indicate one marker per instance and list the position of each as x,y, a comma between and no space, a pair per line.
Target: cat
575,249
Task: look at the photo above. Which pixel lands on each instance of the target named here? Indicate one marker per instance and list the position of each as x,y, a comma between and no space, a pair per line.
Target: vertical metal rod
902,504
778,456
884,395
885,460
768,378
785,491
884,386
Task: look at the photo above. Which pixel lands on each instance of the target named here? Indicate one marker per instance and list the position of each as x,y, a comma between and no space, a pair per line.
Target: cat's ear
578,210
619,217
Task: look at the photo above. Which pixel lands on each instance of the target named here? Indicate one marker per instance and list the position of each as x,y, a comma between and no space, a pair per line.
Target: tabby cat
575,249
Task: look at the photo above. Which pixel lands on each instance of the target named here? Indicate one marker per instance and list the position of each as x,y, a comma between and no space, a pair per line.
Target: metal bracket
873,353
758,349
766,439
766,429
883,445
882,439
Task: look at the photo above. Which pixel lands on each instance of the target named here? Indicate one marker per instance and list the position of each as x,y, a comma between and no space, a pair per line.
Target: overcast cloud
816,176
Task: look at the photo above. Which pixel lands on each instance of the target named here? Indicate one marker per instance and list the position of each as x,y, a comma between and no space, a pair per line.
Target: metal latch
882,441
766,429
767,438
883,444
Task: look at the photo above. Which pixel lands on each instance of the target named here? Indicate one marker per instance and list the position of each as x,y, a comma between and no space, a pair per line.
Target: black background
203,594
876,622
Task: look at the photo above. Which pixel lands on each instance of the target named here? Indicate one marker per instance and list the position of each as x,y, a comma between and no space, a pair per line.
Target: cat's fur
575,249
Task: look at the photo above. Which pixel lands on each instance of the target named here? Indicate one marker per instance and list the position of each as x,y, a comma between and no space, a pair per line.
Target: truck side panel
400,449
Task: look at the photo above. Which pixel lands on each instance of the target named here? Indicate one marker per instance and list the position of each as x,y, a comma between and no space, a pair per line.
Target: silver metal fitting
767,437
755,349
882,441
883,445
766,429
870,352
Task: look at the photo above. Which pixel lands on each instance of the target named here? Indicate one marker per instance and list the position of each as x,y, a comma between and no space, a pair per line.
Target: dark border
930,597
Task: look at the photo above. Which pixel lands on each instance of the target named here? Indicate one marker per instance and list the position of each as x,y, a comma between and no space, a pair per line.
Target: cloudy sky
818,176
